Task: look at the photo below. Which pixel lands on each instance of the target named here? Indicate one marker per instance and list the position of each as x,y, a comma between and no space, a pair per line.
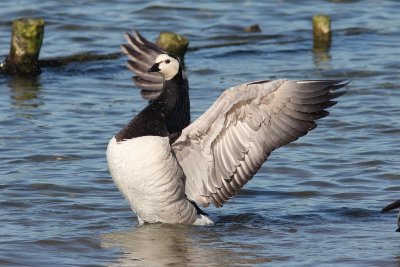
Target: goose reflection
176,245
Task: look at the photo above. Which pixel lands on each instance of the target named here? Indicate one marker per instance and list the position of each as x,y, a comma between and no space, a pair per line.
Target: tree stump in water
173,43
322,32
26,41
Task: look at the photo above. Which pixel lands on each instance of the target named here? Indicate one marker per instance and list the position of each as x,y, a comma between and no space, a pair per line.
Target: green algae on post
322,32
253,28
26,41
174,43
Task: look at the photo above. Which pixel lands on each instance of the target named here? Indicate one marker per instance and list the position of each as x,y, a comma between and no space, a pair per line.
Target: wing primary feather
235,146
224,194
236,182
243,134
258,149
149,44
300,127
228,186
310,108
236,133
274,135
303,116
244,170
251,158
219,169
224,172
217,200
146,48
149,95
148,86
227,157
132,54
141,71
141,55
316,100
315,85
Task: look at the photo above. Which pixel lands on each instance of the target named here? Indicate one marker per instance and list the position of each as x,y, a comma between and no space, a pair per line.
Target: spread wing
141,56
222,150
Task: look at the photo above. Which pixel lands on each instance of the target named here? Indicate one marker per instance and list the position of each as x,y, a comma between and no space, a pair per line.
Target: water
315,202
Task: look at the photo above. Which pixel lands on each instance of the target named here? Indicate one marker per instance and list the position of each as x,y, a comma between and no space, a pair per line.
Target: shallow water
315,202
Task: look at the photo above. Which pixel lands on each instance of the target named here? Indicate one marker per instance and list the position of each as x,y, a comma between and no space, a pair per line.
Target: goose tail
203,220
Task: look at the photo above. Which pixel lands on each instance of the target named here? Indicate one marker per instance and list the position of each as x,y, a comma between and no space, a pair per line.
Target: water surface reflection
24,88
177,245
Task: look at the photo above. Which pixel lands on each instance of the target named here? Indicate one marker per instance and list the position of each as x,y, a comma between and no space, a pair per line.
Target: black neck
172,90
157,119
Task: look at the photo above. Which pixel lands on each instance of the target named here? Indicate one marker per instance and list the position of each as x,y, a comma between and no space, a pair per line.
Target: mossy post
26,40
322,32
173,43
253,28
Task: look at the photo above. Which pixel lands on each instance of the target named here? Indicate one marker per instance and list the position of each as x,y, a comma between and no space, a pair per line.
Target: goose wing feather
222,150
141,56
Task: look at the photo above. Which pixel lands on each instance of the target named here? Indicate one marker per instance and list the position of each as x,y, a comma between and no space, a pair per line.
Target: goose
393,206
165,173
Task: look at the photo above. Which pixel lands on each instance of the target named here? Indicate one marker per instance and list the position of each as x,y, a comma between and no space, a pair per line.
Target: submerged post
175,44
26,41
322,32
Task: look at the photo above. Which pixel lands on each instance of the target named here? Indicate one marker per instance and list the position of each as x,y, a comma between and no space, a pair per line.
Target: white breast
149,177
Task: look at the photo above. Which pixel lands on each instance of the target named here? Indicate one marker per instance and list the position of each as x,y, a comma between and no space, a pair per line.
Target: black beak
154,68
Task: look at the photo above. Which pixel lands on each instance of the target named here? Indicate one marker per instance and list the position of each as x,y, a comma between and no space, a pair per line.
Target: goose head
168,66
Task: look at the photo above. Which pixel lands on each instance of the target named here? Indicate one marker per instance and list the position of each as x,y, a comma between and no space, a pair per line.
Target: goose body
165,169
151,181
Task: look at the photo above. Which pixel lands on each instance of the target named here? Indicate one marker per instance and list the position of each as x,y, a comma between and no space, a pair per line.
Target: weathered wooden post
322,32
253,28
26,40
175,44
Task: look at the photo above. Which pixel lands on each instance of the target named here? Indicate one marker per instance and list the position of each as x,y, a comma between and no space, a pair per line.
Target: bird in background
392,206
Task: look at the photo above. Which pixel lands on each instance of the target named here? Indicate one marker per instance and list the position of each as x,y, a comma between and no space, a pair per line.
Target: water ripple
46,158
315,202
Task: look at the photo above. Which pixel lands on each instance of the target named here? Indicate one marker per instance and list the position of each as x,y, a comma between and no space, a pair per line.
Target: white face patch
168,66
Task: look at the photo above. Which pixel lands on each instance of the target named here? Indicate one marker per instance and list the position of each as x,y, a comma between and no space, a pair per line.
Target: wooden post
322,32
173,43
26,40
253,28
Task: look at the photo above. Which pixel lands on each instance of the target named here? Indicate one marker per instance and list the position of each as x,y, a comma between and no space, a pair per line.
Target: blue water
315,202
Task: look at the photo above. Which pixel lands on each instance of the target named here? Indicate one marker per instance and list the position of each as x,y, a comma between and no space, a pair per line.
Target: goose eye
167,61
